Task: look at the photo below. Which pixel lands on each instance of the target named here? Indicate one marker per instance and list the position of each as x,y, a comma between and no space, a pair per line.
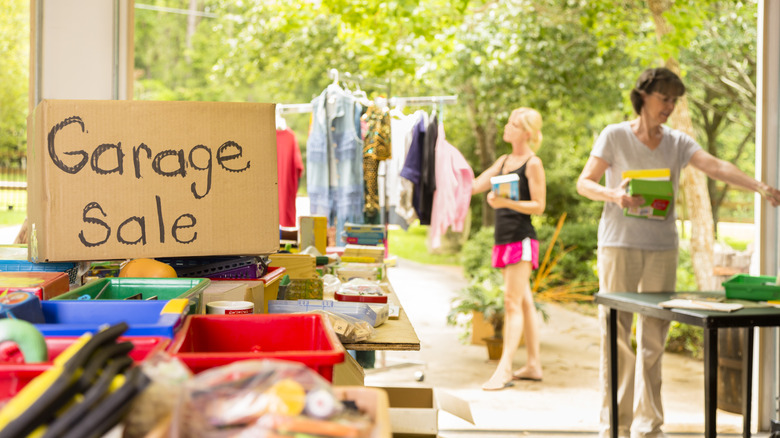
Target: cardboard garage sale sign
128,179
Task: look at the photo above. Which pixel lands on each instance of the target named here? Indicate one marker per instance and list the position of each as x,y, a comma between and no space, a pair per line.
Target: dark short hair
659,79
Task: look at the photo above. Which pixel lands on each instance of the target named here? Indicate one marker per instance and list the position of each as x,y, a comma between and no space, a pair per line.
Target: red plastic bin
207,341
15,374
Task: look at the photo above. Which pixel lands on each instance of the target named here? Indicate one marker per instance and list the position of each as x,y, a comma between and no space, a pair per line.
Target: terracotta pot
495,347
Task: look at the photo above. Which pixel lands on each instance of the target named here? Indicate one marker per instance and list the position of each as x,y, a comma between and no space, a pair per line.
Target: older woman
638,254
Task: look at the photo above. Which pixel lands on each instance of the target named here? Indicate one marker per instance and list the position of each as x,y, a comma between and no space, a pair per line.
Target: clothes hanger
361,96
281,124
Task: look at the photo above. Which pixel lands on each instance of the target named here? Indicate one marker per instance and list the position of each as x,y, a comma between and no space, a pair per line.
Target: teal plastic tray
122,288
752,287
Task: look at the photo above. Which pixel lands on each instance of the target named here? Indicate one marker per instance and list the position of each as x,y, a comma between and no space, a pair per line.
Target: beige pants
639,381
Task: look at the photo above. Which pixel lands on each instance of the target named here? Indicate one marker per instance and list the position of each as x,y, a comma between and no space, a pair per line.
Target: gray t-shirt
618,146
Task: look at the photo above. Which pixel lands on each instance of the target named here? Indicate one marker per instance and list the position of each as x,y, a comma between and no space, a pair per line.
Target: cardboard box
226,291
314,232
348,373
658,195
414,412
298,266
373,402
128,179
254,291
260,290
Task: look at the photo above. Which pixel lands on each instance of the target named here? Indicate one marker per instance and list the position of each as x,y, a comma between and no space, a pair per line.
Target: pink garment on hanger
452,197
289,167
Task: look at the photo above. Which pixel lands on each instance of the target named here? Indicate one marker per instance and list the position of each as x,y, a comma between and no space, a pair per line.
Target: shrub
477,253
578,266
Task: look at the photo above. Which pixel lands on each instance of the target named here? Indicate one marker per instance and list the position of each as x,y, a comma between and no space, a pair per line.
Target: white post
767,164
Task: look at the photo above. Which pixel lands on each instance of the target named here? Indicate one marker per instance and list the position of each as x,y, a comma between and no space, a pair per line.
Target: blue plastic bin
145,318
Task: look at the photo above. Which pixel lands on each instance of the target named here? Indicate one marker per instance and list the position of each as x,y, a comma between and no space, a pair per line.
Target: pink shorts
510,253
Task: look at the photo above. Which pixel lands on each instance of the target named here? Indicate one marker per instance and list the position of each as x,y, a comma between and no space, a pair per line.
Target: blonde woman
516,249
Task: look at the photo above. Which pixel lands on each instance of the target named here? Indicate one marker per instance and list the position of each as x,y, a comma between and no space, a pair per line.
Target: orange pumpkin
147,268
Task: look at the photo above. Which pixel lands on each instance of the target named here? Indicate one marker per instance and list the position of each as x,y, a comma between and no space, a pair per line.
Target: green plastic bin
752,287
121,288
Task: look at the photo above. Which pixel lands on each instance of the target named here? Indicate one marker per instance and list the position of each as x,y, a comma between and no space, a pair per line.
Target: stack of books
655,186
359,234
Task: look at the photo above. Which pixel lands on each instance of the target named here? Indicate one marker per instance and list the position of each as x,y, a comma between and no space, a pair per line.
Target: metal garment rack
291,108
421,100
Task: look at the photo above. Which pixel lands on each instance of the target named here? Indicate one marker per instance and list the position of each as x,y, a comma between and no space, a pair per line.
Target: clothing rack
335,76
290,108
358,80
420,100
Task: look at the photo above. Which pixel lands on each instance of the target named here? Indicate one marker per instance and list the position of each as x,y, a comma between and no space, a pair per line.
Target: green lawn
411,245
8,218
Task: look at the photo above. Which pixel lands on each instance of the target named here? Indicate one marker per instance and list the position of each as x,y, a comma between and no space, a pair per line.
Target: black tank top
512,226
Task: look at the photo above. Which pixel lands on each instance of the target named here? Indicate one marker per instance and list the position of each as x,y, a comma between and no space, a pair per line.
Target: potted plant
483,295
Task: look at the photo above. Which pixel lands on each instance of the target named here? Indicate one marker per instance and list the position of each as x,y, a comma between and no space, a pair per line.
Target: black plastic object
56,396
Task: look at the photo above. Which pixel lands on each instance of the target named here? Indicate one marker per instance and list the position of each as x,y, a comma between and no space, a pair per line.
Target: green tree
721,65
14,65
573,60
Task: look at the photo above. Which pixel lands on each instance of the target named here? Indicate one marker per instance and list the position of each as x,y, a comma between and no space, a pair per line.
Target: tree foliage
573,60
14,65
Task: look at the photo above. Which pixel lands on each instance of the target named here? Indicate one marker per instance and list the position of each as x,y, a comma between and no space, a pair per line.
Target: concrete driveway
564,404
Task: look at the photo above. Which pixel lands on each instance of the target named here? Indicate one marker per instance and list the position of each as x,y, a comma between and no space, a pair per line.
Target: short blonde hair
530,121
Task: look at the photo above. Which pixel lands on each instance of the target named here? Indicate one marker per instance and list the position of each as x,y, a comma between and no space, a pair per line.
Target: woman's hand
495,201
771,194
623,199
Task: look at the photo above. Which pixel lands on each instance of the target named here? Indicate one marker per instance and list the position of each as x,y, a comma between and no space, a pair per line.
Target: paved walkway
564,404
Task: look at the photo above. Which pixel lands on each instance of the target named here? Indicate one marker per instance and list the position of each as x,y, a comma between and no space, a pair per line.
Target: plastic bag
158,401
360,286
260,398
348,328
331,285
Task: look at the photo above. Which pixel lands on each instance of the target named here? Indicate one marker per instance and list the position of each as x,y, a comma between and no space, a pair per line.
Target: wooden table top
394,334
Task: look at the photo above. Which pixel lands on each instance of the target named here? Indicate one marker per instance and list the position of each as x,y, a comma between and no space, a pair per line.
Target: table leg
612,361
747,381
710,381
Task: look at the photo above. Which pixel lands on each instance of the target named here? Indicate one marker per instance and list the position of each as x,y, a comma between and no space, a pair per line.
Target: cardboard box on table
414,412
127,179
313,232
226,291
257,290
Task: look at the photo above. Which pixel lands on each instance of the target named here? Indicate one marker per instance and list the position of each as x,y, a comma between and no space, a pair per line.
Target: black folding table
710,321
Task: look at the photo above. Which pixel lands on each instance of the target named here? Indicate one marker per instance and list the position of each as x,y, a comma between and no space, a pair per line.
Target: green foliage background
574,60
14,64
